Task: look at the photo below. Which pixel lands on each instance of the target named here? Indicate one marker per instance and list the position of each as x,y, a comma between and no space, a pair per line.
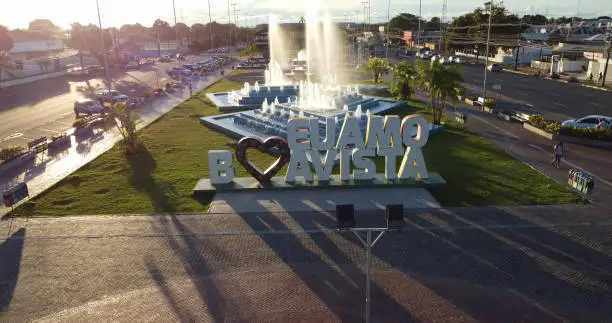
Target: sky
119,12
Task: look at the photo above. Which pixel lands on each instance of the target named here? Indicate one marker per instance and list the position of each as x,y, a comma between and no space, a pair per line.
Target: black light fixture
345,216
394,214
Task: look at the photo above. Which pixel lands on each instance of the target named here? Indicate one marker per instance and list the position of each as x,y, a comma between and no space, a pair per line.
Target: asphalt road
45,108
556,100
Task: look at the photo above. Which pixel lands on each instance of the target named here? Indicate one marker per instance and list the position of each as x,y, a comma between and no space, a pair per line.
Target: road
45,108
556,100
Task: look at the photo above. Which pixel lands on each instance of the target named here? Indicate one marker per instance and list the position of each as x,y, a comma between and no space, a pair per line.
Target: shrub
168,85
147,94
460,91
79,123
10,152
556,128
58,136
490,103
573,79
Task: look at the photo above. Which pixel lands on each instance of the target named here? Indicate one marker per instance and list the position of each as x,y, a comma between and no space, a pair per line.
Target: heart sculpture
272,142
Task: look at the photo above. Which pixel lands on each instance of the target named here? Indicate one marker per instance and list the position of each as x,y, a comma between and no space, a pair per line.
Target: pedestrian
557,153
591,77
600,76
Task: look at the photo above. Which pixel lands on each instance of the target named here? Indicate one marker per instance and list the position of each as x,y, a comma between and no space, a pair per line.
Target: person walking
557,153
600,77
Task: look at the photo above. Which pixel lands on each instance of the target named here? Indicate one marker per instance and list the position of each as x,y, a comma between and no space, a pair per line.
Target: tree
433,24
124,118
250,51
401,81
470,30
534,19
183,31
87,38
6,44
135,32
377,66
43,26
405,21
6,41
441,83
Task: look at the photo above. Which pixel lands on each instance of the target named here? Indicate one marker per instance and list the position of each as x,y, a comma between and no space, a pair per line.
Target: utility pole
103,48
442,19
235,23
229,23
484,85
419,31
176,30
603,80
210,26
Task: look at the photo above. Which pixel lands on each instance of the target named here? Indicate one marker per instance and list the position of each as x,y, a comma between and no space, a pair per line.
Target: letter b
220,166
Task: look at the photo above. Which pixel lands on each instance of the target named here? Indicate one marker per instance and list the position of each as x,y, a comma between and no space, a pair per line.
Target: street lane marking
595,104
560,104
48,130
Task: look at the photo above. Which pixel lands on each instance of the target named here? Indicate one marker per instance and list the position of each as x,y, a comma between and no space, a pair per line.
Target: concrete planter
570,139
59,142
488,110
19,161
81,132
503,116
460,98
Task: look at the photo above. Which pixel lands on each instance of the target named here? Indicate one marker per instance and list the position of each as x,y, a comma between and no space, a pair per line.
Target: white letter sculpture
220,166
413,165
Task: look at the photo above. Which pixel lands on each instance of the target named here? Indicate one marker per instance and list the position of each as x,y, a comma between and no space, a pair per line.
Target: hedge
556,128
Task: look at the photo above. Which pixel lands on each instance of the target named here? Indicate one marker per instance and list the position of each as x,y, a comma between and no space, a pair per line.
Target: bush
79,123
10,152
460,91
556,128
168,85
147,94
58,136
573,79
490,103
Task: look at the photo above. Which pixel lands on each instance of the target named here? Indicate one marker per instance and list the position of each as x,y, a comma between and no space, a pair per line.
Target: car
190,67
94,69
495,68
132,65
457,60
88,106
75,71
107,95
164,58
592,121
178,71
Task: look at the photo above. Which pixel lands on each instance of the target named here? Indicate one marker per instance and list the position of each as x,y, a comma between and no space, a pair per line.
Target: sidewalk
536,151
50,167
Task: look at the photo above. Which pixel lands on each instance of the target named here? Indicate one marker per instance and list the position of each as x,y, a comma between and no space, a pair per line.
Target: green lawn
161,177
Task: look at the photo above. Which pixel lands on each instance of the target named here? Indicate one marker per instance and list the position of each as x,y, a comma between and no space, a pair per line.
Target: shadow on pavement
10,263
30,94
530,273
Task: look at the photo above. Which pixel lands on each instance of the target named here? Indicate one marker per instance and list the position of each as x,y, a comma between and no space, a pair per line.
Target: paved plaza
530,264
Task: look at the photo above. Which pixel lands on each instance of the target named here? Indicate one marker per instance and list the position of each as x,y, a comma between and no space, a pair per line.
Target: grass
160,178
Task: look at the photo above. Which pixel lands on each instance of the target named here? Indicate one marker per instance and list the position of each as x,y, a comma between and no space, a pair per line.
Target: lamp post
605,74
345,221
102,47
484,85
210,26
176,30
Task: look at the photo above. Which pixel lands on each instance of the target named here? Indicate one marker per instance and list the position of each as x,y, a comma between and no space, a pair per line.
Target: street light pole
484,86
419,31
368,244
103,49
176,30
605,74
210,26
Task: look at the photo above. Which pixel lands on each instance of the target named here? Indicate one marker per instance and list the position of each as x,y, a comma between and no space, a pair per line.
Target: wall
596,67
572,66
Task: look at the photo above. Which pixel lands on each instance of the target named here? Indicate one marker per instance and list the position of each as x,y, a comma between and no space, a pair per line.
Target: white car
495,68
107,94
592,121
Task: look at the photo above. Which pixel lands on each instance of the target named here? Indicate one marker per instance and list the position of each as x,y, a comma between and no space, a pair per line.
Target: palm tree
6,66
441,83
402,80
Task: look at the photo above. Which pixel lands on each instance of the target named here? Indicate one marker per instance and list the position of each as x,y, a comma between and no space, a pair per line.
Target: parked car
107,95
75,71
132,65
94,69
457,60
495,68
592,121
88,106
190,67
164,58
178,71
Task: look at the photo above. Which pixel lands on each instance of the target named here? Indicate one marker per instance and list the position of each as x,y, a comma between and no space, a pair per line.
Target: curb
597,87
516,72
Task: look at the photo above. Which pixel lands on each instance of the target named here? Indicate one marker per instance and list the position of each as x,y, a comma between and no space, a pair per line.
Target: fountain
319,94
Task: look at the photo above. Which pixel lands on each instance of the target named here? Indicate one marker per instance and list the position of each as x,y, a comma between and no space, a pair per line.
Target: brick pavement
534,264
